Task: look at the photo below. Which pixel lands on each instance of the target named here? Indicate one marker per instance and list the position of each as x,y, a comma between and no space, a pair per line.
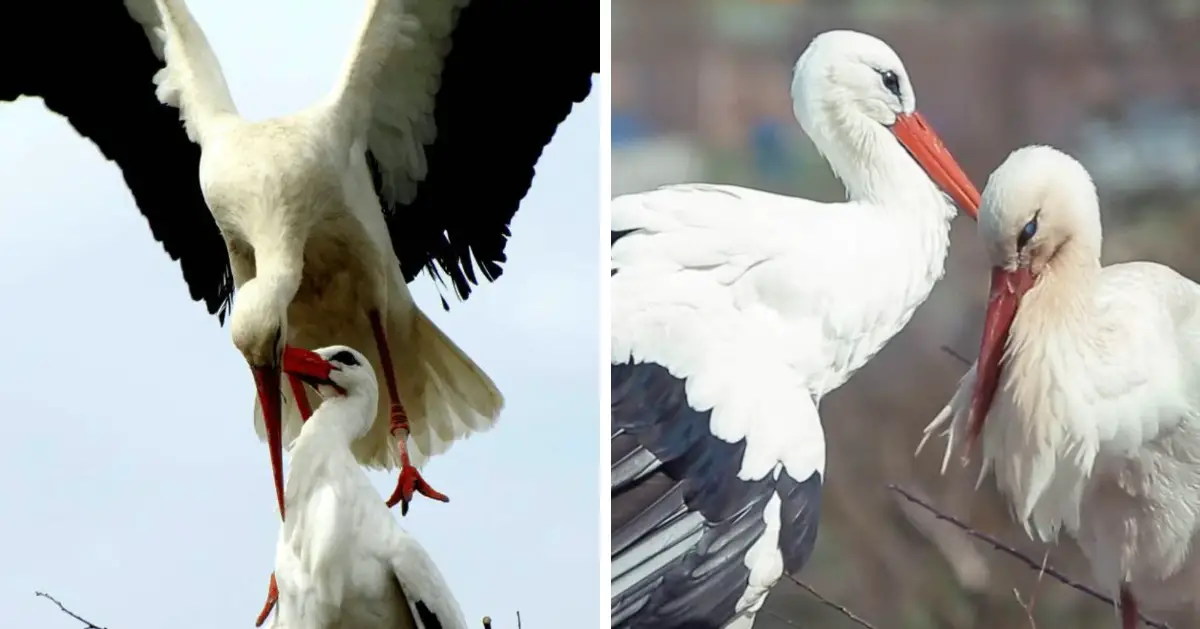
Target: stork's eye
891,82
344,357
1027,232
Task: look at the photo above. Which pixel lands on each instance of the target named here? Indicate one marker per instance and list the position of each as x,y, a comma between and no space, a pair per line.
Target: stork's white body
1095,424
1095,427
305,231
342,560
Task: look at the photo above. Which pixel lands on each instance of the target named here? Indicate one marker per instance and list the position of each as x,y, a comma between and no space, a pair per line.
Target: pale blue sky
134,487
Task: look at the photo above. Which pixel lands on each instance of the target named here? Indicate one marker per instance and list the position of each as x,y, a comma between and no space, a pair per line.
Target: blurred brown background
700,93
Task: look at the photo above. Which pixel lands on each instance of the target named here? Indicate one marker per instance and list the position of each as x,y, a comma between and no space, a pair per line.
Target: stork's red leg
1130,618
410,479
272,598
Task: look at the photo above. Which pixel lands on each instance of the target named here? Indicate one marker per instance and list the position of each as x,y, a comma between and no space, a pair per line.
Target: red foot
410,480
272,598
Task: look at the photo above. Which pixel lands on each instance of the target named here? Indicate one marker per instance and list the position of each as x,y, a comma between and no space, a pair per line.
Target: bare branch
790,623
950,350
90,624
828,603
1016,554
518,619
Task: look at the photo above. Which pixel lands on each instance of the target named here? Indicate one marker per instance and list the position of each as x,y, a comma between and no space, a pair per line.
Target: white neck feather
872,164
1043,452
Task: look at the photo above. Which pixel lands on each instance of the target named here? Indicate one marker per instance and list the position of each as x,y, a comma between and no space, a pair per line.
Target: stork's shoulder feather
192,80
779,266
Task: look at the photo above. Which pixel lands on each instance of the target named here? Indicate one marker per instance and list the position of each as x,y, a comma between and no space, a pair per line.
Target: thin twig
518,619
1016,554
90,624
845,612
1028,607
790,623
950,350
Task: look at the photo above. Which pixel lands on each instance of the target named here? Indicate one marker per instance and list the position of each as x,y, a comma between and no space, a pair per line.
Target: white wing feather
764,302
384,39
421,580
192,80
402,122
145,12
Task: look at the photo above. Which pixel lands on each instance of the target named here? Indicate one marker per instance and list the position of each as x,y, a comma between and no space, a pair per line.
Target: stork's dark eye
344,357
1027,232
891,82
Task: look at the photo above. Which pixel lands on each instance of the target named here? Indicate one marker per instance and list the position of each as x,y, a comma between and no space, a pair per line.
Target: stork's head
852,70
337,371
258,323
1039,216
851,80
1037,202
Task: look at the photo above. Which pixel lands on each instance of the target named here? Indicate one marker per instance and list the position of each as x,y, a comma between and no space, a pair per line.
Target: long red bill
267,381
1003,299
914,132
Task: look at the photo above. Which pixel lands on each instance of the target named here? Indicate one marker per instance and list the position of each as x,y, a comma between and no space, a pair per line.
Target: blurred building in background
700,93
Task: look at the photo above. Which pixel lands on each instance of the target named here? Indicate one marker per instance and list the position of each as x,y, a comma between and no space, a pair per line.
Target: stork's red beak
307,366
926,147
1004,297
266,378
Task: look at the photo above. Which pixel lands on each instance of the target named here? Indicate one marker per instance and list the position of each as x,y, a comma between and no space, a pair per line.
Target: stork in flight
734,312
1086,395
342,559
416,161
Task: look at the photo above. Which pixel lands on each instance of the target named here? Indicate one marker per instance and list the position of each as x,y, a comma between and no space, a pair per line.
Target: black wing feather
97,71
669,473
515,69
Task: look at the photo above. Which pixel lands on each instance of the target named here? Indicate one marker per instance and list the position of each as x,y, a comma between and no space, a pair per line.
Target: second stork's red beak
1003,299
308,366
914,132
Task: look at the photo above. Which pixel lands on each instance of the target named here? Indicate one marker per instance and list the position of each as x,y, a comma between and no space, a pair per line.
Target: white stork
417,161
342,559
1086,393
734,312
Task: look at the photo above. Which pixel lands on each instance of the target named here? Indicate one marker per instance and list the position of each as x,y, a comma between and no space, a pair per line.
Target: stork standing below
415,162
1086,393
342,560
734,312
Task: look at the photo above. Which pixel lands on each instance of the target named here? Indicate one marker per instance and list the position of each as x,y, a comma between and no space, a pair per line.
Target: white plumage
1088,406
734,312
342,560
307,239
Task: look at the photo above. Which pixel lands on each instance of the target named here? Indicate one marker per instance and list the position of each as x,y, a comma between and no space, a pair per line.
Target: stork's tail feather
446,395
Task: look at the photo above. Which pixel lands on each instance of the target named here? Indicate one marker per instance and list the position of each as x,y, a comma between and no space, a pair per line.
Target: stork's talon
272,598
410,480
